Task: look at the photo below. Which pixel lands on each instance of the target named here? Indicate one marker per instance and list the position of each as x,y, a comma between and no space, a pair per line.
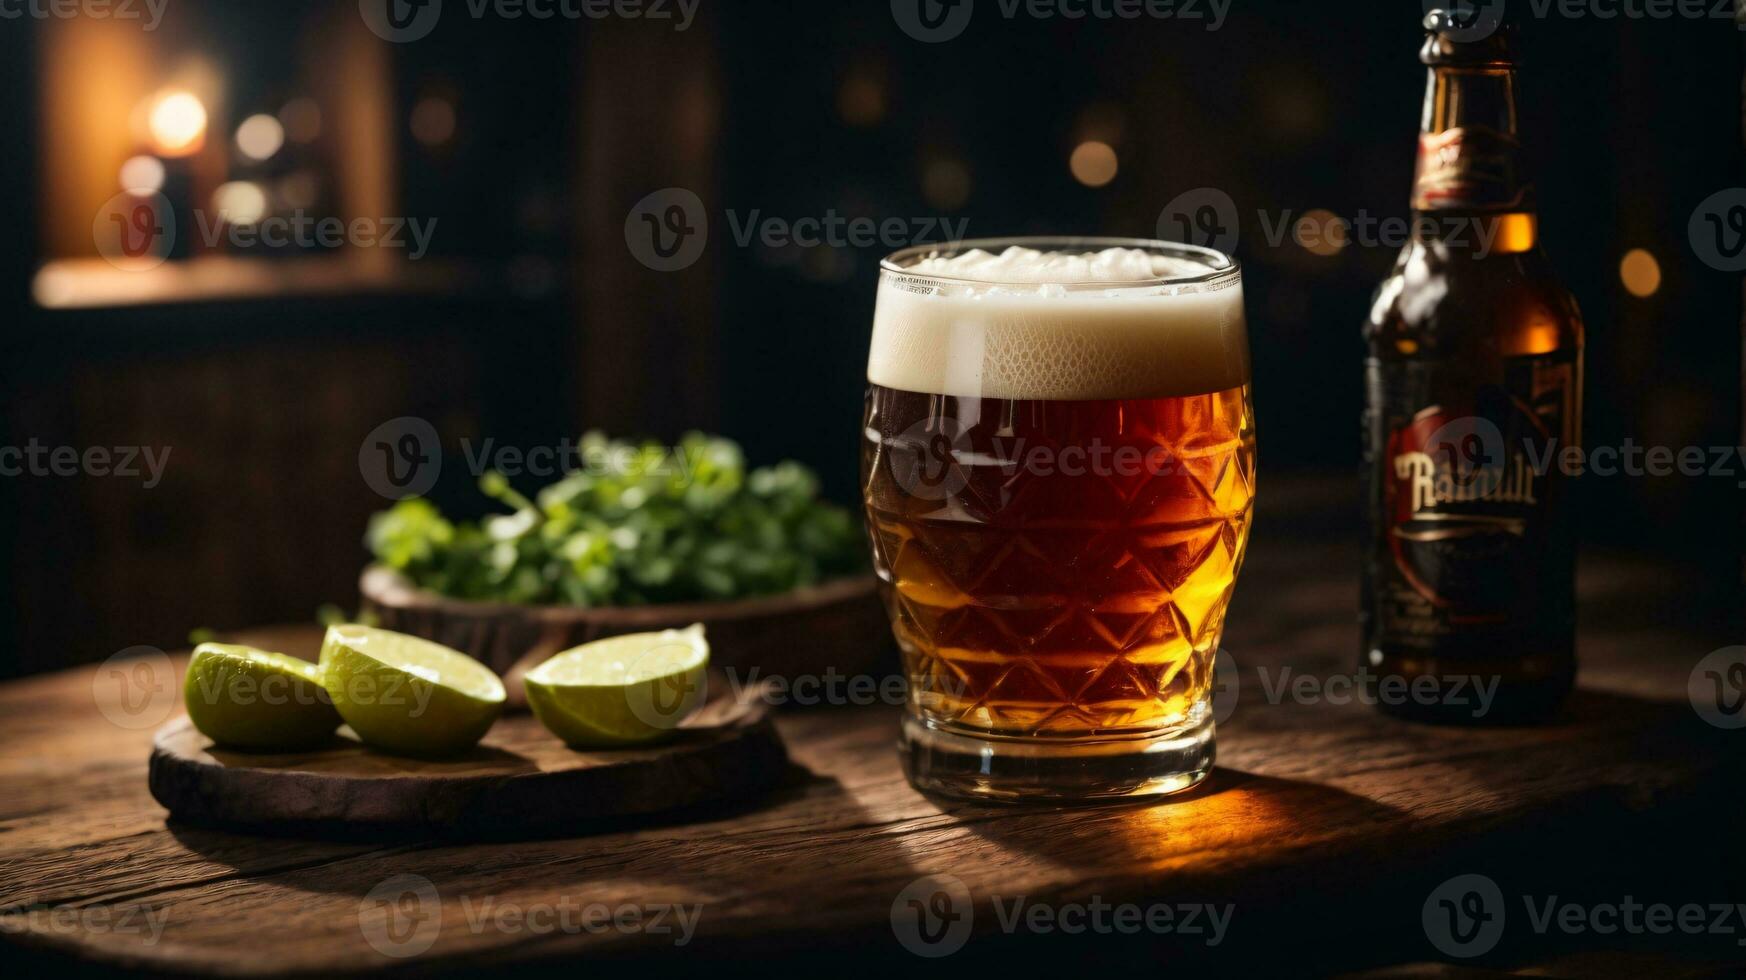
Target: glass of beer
1058,467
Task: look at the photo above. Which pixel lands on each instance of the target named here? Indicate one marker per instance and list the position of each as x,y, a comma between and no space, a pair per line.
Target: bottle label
1473,527
1468,167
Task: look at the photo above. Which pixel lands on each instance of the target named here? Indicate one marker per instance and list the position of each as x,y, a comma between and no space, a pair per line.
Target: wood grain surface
1324,829
520,781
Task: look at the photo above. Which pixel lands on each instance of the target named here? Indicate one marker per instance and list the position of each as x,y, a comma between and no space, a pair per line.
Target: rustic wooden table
1315,847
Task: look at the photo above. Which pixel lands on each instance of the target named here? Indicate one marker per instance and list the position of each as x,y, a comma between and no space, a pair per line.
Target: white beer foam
1007,326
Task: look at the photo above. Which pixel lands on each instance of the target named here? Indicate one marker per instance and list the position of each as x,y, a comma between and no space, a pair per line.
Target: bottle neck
1469,151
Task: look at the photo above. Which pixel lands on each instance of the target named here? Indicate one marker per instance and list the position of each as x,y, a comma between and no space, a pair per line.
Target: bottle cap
1469,35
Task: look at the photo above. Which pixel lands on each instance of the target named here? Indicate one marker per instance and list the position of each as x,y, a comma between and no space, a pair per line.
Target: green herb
636,524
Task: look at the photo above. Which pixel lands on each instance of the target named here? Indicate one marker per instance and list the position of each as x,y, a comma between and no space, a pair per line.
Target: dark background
531,320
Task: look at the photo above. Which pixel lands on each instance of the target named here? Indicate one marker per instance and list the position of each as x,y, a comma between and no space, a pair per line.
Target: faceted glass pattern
1059,568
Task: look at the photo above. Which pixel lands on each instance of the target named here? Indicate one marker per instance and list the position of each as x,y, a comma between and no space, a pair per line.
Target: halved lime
623,690
246,698
408,695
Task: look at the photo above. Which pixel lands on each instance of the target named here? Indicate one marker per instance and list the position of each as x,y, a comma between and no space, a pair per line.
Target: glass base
1026,770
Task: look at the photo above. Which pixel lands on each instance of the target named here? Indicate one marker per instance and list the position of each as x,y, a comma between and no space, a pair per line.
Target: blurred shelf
84,284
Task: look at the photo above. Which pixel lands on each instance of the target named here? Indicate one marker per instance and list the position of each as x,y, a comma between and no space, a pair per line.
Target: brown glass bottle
1473,391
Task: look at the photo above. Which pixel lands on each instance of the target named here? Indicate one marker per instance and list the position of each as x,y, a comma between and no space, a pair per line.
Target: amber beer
1059,469
1474,370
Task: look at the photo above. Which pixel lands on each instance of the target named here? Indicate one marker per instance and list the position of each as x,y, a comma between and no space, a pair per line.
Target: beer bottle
1473,394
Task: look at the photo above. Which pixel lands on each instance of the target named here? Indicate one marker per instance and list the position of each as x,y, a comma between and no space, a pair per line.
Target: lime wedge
246,698
623,690
407,695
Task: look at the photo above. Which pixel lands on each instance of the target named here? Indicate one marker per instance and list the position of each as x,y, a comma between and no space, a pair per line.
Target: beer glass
1058,467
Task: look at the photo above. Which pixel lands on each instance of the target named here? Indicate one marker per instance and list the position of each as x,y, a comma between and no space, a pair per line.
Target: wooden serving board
520,781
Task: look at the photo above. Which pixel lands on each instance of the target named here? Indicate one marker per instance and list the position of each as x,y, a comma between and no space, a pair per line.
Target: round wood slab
519,781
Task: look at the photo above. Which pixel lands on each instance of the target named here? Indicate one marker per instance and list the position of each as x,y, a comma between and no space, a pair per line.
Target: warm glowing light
861,100
1640,273
177,123
946,184
299,190
142,176
260,136
240,202
433,121
1321,233
1093,163
302,119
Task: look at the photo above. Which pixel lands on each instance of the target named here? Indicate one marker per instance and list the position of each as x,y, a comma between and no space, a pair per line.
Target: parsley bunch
637,524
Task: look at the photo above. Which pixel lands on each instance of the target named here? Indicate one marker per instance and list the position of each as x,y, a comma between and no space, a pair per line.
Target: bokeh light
946,183
178,123
433,121
260,136
1093,163
861,100
301,118
1321,232
1640,273
142,176
240,202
